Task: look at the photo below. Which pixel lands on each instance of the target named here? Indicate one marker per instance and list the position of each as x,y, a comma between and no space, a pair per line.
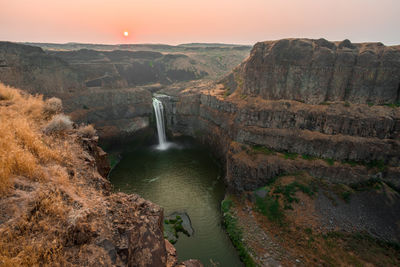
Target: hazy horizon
178,22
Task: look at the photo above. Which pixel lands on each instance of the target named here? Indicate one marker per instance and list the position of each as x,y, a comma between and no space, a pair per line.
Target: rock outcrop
314,71
57,207
116,113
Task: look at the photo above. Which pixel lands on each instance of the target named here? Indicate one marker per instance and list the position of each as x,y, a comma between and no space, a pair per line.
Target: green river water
184,178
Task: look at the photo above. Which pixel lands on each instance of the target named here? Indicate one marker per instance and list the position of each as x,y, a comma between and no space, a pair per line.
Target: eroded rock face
30,68
115,113
333,132
92,225
314,71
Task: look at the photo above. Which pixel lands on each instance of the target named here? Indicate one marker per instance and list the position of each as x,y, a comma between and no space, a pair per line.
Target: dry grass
86,131
58,124
37,233
52,106
23,147
24,244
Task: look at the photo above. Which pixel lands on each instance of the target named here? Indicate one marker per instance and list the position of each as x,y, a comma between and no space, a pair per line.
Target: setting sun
126,33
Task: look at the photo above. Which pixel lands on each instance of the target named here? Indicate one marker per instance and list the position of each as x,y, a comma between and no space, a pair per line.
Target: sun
126,34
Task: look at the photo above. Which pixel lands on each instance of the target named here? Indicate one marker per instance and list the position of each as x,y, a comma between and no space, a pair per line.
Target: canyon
294,110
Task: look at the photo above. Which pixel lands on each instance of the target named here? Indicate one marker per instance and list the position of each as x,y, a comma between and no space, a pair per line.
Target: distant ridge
78,46
211,45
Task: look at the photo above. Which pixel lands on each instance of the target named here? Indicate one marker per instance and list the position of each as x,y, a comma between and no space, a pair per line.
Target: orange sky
183,21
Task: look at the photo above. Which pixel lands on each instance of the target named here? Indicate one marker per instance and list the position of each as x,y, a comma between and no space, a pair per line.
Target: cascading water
159,111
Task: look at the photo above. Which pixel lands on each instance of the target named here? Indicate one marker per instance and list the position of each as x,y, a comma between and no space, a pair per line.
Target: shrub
263,150
308,157
235,233
52,106
379,164
393,105
291,156
59,123
330,161
270,208
86,131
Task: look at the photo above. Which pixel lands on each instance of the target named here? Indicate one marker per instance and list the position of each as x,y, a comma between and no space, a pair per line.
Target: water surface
184,178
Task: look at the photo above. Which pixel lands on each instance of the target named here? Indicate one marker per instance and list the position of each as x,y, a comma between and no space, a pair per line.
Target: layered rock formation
111,89
30,68
330,132
256,126
116,113
314,71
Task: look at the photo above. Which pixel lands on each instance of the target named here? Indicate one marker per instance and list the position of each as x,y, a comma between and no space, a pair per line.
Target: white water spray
159,111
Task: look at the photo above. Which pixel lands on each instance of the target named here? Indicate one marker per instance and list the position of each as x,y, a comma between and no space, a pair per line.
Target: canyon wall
303,103
314,71
355,134
110,87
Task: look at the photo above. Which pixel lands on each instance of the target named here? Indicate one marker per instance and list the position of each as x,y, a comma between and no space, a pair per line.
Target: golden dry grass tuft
24,149
86,131
35,231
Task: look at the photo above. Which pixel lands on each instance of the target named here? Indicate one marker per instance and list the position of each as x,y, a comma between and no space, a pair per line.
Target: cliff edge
56,206
314,71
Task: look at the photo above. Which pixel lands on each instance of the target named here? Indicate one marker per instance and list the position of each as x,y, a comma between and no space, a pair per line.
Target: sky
186,21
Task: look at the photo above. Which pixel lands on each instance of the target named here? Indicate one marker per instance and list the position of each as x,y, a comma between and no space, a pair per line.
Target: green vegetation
352,163
325,103
367,185
370,104
113,159
379,164
308,157
235,233
291,156
308,231
151,64
85,107
288,191
269,207
346,104
343,191
393,105
330,161
263,150
175,226
227,93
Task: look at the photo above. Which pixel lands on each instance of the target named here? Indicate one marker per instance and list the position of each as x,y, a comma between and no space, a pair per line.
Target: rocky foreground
57,207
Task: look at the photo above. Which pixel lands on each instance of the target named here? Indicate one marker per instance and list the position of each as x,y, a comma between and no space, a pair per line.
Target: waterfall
159,111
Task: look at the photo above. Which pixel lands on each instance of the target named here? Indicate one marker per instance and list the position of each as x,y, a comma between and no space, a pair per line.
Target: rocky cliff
57,207
314,71
358,134
264,128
